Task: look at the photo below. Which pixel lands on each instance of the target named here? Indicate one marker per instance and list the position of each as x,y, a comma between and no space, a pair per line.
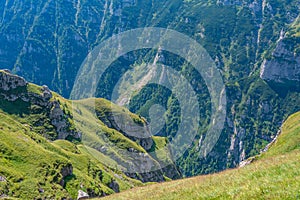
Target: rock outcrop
46,92
136,132
283,69
114,186
65,171
82,195
13,88
2,179
9,81
58,119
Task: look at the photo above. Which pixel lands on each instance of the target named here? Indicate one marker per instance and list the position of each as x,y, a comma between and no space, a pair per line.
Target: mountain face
44,155
282,67
254,44
45,41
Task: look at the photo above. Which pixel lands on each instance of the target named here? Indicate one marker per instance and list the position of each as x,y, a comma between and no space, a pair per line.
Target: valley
53,145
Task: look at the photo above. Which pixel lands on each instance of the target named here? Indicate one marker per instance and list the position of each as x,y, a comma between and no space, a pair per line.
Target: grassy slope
274,175
28,162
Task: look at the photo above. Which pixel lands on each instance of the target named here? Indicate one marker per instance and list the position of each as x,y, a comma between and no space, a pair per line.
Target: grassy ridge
32,164
28,161
32,160
274,175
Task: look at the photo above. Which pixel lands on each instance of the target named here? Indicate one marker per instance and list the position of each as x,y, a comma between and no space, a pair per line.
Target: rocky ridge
14,88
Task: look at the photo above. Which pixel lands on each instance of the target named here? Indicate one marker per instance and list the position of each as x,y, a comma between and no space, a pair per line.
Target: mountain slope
42,151
46,42
273,175
36,168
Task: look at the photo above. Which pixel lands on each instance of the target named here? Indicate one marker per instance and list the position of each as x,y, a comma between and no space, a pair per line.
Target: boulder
2,179
114,186
46,93
82,195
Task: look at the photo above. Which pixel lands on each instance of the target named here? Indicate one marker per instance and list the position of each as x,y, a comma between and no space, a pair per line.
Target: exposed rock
172,172
152,176
46,93
146,143
236,149
246,162
82,195
114,186
57,119
283,69
41,190
65,171
143,167
2,179
118,176
125,125
9,81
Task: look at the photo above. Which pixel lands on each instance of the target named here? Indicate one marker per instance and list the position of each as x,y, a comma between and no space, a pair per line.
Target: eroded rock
82,195
114,186
9,81
283,69
65,171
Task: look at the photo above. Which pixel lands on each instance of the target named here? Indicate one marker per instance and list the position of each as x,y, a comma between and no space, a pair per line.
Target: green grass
32,88
31,158
273,175
89,124
160,152
29,161
289,139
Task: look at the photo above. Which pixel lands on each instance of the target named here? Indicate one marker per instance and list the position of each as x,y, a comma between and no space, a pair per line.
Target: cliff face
284,67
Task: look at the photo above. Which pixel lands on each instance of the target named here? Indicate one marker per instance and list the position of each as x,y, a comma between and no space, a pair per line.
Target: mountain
254,44
271,175
42,152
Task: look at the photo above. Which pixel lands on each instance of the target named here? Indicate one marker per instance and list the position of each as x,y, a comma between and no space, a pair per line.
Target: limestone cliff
282,68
